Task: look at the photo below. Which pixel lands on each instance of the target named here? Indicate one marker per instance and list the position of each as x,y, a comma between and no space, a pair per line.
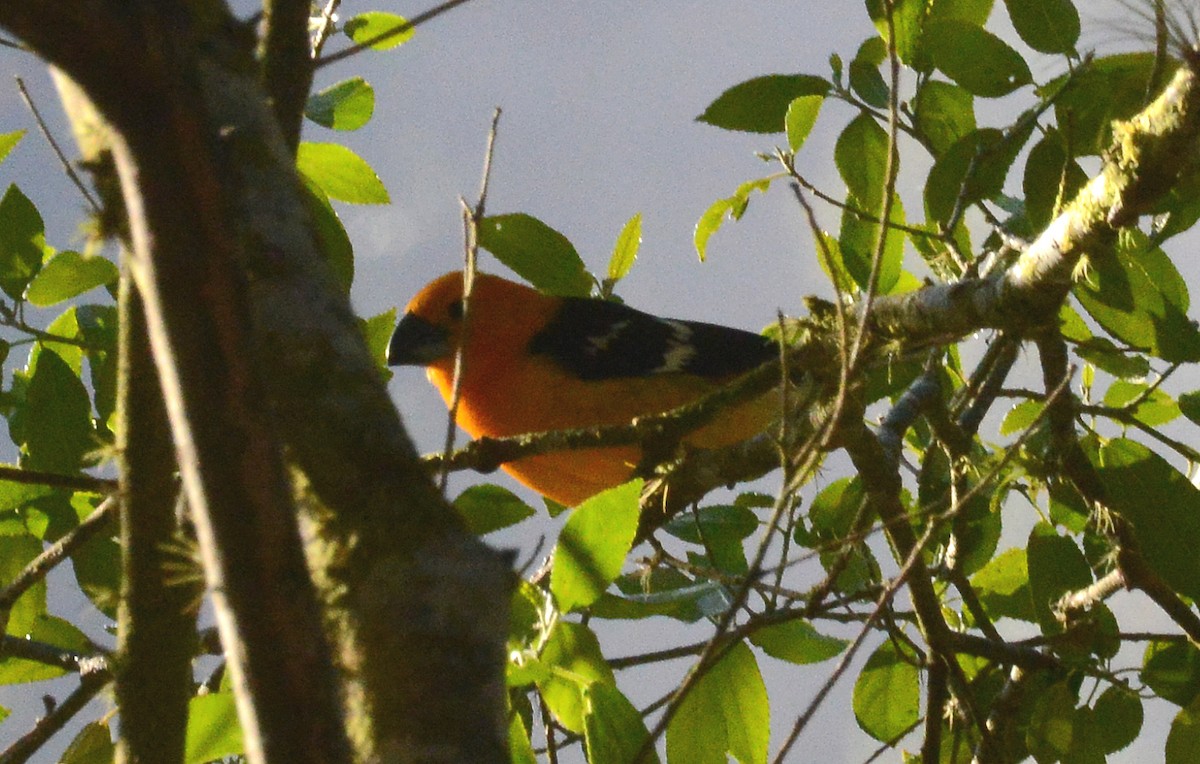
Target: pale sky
599,103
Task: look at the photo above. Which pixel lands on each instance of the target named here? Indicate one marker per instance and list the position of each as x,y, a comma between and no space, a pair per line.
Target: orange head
432,327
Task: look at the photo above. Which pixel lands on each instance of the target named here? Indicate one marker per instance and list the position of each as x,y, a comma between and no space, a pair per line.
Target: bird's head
431,329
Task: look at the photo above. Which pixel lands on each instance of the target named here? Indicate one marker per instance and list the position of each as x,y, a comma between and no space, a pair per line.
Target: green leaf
971,11
1160,504
625,251
759,105
801,116
993,155
377,331
733,206
1051,179
365,27
331,234
1139,297
944,113
974,58
22,239
1189,405
1183,741
1020,416
213,731
861,158
833,509
98,329
865,78
857,240
1051,729
907,18
92,745
97,566
1003,586
726,711
797,642
15,553
661,592
1112,88
58,428
340,173
1056,566
1156,409
1048,26
520,747
9,141
829,253
488,508
573,654
720,521
593,545
65,325
537,253
68,274
48,629
887,694
1104,355
1118,716
348,105
1172,670
613,729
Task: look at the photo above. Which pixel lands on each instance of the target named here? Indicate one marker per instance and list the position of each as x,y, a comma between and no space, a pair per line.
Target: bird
535,362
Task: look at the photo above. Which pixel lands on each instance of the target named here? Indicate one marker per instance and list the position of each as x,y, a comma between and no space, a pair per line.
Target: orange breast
531,395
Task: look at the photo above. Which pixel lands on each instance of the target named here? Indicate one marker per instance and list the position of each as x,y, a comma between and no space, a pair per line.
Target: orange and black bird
535,362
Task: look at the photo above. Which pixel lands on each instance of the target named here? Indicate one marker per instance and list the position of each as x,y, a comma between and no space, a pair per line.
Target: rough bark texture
224,243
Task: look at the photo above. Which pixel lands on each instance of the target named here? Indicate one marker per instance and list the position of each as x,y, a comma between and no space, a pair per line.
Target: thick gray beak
416,342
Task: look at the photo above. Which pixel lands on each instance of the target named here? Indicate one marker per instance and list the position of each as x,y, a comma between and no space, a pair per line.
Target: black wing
595,339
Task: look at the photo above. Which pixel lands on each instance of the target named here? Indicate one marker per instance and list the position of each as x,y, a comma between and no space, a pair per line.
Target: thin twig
37,568
471,220
57,480
324,28
24,748
62,158
412,23
891,171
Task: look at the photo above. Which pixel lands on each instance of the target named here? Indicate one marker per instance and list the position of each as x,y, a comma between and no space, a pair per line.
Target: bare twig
471,219
57,480
37,568
23,749
413,23
62,158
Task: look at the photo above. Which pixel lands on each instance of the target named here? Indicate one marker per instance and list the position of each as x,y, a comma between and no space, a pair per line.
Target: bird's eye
455,309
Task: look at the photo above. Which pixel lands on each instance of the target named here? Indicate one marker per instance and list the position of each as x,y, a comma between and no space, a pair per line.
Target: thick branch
156,621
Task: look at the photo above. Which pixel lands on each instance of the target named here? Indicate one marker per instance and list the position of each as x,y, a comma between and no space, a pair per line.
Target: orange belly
507,402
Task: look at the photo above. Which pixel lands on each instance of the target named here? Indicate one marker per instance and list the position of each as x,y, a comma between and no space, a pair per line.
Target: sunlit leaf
573,655
1160,504
340,173
536,252
488,508
1049,26
348,105
887,694
613,729
726,711
593,545
68,274
797,642
213,731
759,105
974,58
369,27
625,250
